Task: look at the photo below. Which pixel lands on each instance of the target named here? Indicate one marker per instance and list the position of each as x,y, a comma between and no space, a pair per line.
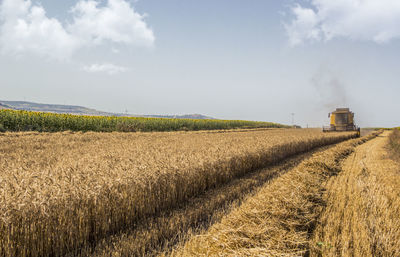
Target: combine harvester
341,120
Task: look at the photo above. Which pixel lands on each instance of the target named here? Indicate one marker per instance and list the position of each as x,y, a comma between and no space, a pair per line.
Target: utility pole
292,119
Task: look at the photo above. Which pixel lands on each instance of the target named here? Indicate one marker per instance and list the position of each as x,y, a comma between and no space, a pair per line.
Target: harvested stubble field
280,219
341,202
63,193
362,214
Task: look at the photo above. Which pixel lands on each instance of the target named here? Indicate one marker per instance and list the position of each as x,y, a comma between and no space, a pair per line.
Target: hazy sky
230,59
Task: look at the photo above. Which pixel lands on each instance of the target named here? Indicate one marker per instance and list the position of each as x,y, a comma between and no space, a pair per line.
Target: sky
230,59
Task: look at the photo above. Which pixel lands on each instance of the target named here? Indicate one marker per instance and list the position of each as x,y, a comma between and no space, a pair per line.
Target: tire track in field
280,218
156,234
362,215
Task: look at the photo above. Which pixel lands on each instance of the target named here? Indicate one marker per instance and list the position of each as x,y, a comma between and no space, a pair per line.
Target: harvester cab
341,120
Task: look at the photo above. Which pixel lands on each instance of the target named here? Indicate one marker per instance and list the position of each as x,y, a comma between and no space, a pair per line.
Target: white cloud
108,68
116,22
304,27
25,28
367,20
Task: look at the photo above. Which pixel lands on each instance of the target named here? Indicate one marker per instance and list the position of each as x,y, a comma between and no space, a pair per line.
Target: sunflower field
19,120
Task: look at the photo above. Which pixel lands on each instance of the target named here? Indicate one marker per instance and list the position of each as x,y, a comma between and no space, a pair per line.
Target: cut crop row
280,218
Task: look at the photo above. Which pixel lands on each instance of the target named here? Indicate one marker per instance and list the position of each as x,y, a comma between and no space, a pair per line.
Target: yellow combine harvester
342,120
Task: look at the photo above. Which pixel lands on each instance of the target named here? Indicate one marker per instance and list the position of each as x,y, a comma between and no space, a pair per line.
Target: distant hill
3,106
80,110
56,108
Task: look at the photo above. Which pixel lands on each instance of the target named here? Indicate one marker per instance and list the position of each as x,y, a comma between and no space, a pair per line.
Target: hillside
3,106
80,110
56,108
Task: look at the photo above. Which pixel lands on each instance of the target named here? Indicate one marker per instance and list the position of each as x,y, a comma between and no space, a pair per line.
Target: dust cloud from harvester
330,89
331,92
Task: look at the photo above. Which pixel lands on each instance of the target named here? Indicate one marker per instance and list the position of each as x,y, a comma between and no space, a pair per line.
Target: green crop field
15,120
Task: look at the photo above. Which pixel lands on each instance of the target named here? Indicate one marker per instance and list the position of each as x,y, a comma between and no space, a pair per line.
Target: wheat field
343,201
64,192
362,215
162,232
280,218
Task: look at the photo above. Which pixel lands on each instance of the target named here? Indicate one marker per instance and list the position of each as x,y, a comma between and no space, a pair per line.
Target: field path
362,213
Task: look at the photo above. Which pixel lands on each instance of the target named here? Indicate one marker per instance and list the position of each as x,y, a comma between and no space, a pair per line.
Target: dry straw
362,214
279,219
